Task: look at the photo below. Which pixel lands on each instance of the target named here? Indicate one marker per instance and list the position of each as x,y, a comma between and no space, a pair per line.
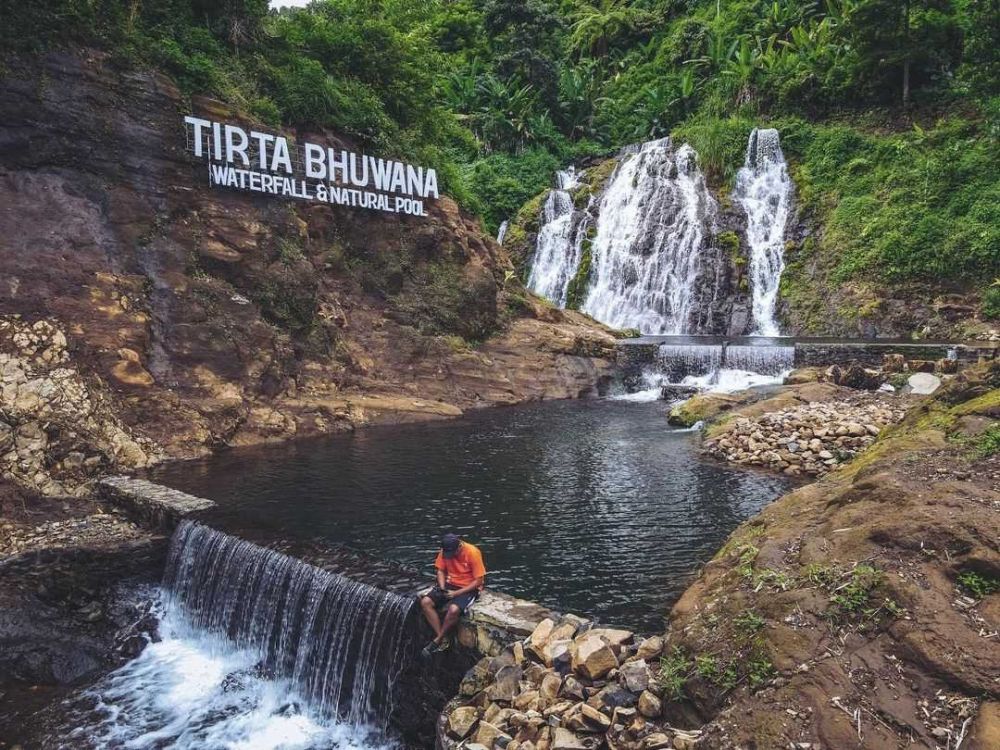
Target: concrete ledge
149,502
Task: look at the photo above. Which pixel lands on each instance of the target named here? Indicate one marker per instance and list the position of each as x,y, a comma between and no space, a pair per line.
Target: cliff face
211,317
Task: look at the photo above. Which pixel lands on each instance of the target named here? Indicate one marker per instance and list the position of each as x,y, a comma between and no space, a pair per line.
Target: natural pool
596,507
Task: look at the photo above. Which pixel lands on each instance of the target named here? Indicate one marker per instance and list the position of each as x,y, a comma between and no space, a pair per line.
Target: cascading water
258,649
559,244
764,189
647,252
502,231
681,369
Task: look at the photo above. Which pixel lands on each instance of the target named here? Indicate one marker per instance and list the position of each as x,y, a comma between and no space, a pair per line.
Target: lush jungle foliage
889,108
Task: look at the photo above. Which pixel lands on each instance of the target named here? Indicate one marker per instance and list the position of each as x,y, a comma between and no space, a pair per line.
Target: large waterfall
764,190
647,253
559,244
257,649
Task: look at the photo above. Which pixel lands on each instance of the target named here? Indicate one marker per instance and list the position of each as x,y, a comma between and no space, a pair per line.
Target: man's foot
434,647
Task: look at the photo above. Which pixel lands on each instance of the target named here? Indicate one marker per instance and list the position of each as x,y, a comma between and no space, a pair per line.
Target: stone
611,636
613,696
649,705
650,648
593,658
923,384
540,635
558,709
487,734
564,631
635,675
564,739
461,721
594,718
623,715
529,700
506,684
549,688
655,741
572,688
557,653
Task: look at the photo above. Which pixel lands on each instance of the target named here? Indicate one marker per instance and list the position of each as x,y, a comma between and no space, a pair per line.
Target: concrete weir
495,621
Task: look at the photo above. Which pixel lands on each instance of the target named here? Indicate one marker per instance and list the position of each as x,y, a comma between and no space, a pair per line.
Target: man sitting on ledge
460,577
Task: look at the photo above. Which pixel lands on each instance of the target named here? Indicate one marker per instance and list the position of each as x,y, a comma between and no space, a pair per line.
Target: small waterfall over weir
340,642
764,190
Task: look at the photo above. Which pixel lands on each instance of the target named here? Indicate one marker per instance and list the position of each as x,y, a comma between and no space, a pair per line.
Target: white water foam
764,189
194,690
647,251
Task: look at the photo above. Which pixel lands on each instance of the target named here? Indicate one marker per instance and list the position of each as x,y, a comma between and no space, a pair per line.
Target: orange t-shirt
464,568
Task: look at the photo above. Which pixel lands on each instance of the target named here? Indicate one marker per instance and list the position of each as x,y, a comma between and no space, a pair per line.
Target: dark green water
596,507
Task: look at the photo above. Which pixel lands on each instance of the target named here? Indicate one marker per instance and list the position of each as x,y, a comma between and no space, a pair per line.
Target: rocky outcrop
808,439
569,685
206,318
58,428
861,609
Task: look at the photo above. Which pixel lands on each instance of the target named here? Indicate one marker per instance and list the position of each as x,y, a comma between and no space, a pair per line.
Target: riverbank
860,610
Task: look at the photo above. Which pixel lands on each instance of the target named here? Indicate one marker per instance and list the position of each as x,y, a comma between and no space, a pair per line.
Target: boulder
572,688
564,739
461,721
475,679
650,648
611,697
635,675
612,636
540,636
594,718
672,392
549,688
655,741
506,684
529,700
923,384
487,734
557,653
593,658
649,705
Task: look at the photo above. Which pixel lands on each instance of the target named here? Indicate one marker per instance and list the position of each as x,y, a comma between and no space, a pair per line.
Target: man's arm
476,584
441,579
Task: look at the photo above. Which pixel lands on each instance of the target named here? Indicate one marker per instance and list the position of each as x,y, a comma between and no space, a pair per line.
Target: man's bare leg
431,615
450,621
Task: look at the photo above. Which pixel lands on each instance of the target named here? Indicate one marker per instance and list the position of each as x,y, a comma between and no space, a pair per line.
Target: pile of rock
810,439
57,429
568,686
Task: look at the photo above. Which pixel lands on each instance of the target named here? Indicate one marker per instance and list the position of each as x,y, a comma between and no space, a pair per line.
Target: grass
673,675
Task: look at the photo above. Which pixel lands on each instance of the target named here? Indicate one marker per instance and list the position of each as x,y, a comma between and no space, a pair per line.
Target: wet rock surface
72,603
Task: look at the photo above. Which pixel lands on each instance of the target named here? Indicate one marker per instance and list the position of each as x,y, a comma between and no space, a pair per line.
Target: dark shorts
441,601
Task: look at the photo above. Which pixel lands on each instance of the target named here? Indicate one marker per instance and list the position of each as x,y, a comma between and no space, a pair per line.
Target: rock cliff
200,317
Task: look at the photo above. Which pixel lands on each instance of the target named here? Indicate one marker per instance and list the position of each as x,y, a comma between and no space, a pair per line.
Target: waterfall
764,189
681,369
678,361
559,244
764,360
647,253
341,643
502,231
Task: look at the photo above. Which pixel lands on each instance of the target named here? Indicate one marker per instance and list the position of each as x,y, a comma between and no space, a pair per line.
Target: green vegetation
673,675
888,111
978,585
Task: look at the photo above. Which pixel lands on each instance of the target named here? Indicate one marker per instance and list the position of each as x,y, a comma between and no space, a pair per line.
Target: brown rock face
842,606
216,317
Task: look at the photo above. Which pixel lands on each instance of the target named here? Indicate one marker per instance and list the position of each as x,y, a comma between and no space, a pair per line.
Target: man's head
449,545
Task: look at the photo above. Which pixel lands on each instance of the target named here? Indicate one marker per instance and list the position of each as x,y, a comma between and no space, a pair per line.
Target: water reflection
596,507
